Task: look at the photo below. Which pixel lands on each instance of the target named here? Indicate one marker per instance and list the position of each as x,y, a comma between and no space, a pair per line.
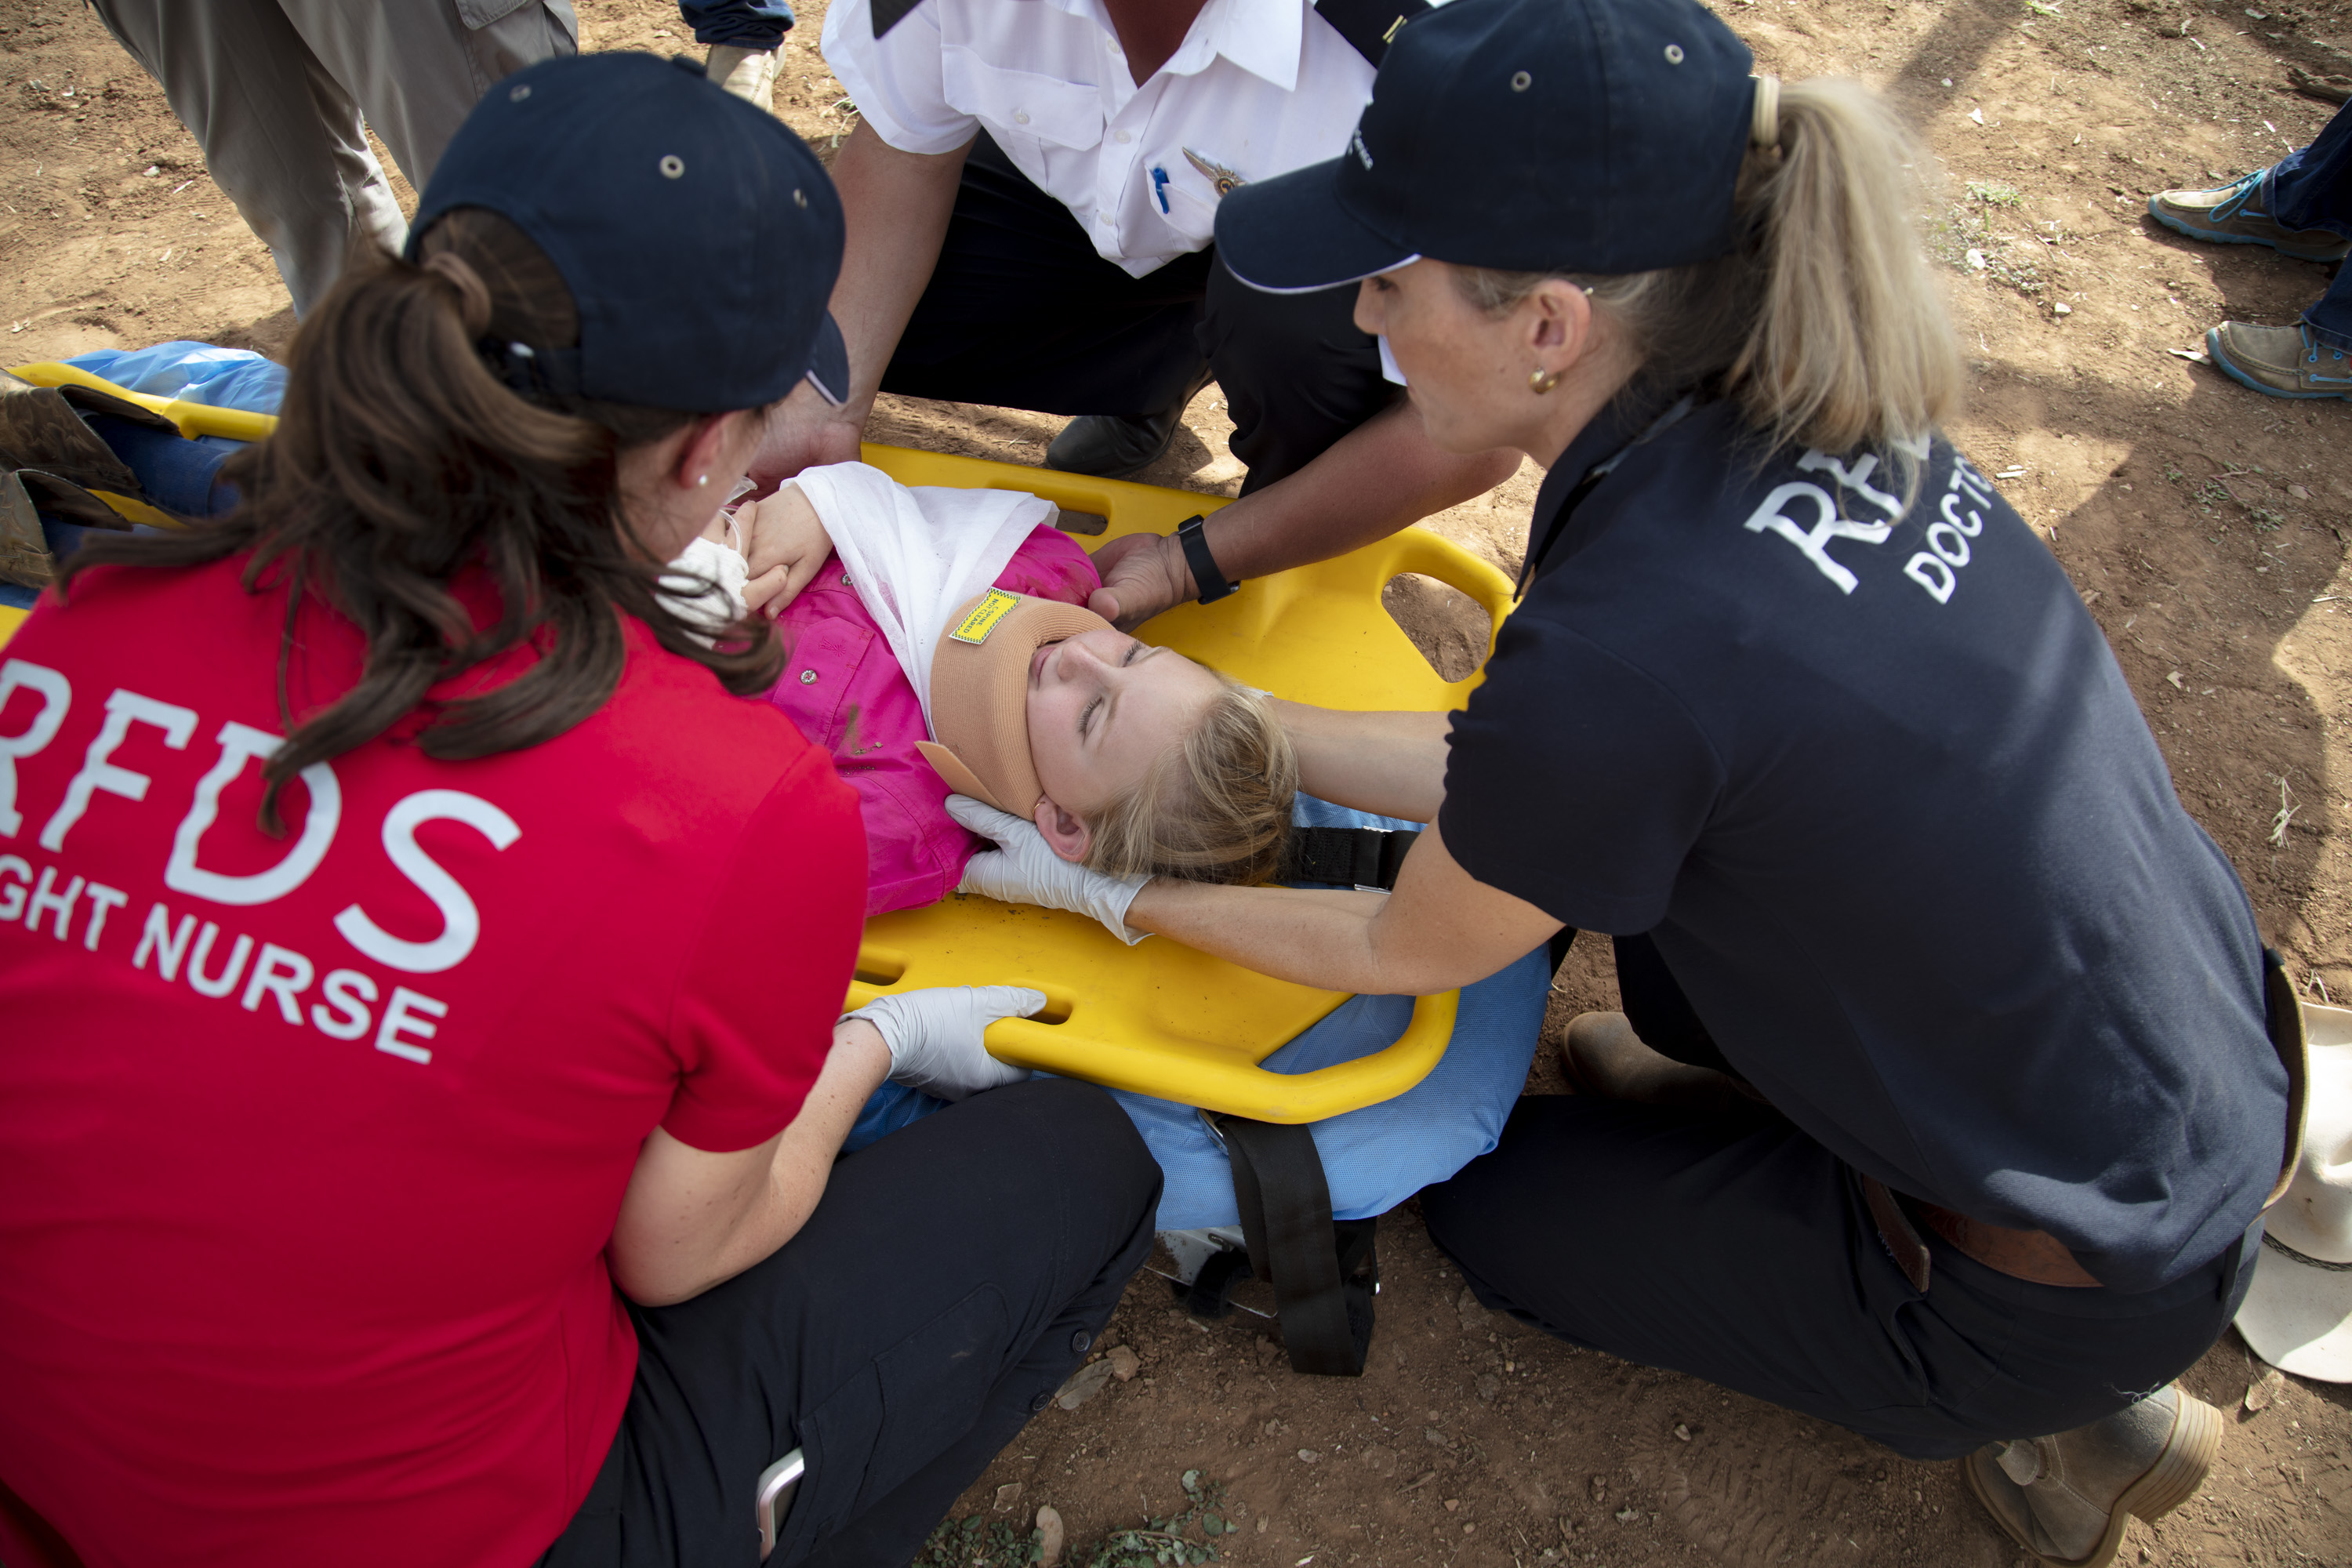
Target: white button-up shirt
1257,87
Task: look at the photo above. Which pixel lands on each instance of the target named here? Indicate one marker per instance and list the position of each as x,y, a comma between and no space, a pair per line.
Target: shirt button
1080,1341
1020,117
1039,1403
808,678
844,579
1121,137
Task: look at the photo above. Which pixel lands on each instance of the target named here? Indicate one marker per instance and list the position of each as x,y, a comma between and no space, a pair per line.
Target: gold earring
1540,381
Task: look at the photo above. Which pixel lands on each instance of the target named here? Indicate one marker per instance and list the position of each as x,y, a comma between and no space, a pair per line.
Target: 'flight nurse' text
187,943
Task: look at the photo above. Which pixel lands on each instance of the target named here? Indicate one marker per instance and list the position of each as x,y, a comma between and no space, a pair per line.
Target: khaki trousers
276,91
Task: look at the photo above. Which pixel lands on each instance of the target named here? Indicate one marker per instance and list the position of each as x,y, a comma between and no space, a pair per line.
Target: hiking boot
748,74
2233,215
2285,362
1115,446
1604,1057
2066,1499
1110,446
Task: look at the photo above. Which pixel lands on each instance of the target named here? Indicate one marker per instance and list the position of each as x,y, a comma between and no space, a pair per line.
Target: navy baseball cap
700,237
1601,136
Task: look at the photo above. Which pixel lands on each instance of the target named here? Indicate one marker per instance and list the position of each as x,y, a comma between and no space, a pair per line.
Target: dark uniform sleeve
1575,781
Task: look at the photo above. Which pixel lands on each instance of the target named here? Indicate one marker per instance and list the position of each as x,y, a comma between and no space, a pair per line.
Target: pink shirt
843,689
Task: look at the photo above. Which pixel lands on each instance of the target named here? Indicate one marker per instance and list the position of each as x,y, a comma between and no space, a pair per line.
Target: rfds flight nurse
449,1177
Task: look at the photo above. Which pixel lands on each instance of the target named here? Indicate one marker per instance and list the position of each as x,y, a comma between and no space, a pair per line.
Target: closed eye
1135,650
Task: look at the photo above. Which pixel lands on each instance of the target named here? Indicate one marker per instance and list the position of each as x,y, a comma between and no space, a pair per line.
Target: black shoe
1114,446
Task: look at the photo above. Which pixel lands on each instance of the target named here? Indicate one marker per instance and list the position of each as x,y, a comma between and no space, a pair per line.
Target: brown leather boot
1603,1057
2067,1499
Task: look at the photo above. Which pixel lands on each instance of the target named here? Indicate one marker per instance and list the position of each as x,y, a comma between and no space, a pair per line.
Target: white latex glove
1024,869
935,1035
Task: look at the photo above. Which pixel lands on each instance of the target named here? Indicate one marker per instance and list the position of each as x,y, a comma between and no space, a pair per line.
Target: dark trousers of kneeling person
2311,187
1022,312
951,1279
1731,1246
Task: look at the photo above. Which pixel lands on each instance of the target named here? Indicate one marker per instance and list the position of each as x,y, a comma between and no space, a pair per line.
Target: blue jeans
2312,188
747,24
1373,1158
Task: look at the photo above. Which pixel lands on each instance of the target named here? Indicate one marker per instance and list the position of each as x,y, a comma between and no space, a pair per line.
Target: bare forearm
1380,477
691,1219
896,205
1442,928
1314,938
1392,764
854,1068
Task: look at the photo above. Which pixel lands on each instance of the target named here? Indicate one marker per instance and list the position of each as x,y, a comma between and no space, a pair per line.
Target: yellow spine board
1159,1018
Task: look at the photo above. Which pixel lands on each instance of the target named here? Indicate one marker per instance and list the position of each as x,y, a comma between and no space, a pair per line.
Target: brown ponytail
402,463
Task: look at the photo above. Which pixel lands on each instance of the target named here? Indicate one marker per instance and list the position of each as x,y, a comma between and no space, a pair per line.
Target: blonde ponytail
1824,323
1851,345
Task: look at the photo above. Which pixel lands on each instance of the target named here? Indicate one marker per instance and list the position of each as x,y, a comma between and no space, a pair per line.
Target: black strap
1207,575
1368,25
1325,1274
1351,857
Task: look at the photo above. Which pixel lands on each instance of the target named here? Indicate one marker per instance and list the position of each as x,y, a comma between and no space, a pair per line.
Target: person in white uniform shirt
1031,193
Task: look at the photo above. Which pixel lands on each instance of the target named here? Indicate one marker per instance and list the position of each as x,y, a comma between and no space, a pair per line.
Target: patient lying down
1128,757
938,640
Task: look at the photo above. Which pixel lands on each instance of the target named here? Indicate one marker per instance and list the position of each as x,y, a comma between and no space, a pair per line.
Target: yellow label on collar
992,607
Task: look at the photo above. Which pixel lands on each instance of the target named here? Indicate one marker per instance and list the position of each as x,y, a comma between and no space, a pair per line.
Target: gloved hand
935,1035
1024,869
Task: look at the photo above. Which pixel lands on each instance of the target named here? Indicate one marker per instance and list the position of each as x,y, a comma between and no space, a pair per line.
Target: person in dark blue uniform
1946,1102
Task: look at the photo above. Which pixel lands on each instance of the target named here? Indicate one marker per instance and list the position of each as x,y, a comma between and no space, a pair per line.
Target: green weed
1168,1542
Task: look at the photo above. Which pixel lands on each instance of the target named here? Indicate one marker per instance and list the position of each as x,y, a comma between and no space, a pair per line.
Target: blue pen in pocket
1160,187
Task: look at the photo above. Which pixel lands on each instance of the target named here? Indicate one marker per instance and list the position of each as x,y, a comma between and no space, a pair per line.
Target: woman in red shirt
419,1105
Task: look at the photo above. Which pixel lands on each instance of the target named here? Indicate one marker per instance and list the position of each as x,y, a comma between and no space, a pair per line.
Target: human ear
704,449
1066,835
1561,318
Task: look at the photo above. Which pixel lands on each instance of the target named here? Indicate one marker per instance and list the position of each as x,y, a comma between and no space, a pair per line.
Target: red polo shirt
310,1146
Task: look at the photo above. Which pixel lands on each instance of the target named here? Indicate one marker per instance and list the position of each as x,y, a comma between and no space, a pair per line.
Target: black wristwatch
1205,574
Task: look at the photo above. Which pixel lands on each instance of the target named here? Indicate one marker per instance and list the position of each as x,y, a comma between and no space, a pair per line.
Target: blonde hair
1824,323
1215,808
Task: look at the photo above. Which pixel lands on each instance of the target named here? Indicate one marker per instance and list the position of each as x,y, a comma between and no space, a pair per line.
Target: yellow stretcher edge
1214,1082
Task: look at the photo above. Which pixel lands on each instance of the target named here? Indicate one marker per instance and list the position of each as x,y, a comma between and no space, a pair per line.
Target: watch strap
1206,574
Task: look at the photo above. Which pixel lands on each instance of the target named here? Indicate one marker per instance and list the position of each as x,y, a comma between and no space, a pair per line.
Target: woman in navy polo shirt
1943,1106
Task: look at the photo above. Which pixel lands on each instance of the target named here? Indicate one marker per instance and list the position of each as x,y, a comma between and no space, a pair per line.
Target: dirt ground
2206,527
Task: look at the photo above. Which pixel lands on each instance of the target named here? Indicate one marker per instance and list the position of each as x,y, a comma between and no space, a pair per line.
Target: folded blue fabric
193,373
